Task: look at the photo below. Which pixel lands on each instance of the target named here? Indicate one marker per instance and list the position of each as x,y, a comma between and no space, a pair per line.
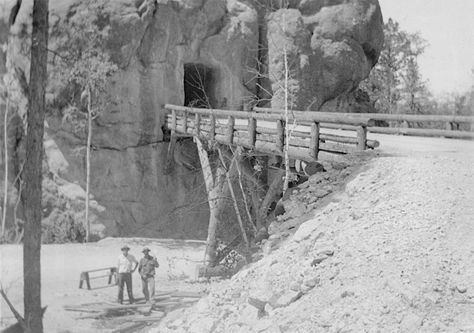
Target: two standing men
127,264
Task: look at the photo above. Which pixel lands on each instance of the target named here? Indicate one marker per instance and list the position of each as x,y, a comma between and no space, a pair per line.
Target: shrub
62,227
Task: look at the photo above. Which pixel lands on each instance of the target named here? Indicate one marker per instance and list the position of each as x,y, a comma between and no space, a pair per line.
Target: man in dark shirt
146,268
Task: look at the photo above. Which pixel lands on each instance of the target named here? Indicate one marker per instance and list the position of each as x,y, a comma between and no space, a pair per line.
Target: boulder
357,101
328,47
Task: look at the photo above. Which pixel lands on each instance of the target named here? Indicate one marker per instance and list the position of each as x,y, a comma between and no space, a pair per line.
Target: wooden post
185,122
314,141
197,124
113,274
174,122
230,130
85,277
212,132
280,136
252,132
361,138
452,126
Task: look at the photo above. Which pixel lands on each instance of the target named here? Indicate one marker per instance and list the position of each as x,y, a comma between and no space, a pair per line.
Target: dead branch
17,315
237,153
272,195
234,199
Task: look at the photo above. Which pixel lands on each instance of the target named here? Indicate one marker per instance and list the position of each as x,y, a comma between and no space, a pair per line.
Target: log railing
266,132
405,119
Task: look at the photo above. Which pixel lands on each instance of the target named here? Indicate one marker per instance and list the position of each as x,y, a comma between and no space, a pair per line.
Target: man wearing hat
127,264
146,268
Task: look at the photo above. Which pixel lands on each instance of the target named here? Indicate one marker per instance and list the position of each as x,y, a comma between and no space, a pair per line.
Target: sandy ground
393,252
61,267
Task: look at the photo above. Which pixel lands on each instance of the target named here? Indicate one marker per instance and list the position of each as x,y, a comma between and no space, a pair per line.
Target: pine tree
32,193
396,81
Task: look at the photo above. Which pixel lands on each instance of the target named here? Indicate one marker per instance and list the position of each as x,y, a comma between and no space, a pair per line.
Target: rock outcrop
156,45
328,47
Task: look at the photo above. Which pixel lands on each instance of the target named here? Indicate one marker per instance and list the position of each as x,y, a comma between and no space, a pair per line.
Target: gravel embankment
394,252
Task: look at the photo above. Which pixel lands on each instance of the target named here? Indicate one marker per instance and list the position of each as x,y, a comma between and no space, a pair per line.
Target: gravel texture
392,252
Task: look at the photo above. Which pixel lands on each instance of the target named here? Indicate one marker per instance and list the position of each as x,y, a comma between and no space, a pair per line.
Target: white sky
448,26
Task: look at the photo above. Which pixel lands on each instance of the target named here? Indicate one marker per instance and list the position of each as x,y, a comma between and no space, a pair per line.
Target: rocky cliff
219,45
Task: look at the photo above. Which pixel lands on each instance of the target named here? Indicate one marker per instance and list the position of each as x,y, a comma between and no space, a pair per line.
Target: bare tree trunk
88,160
214,187
256,198
238,159
31,195
234,198
18,233
5,174
272,194
287,133
21,321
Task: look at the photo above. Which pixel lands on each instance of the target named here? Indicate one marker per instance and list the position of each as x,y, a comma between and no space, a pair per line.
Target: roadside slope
394,252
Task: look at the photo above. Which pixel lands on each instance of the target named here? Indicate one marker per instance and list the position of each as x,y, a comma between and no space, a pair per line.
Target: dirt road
63,263
394,252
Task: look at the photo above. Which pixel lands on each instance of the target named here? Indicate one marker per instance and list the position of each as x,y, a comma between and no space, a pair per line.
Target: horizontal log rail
206,124
299,116
385,116
450,132
266,132
241,138
427,132
323,136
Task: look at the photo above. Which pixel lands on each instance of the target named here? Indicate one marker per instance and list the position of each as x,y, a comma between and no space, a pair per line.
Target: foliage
79,61
457,103
85,64
395,83
64,229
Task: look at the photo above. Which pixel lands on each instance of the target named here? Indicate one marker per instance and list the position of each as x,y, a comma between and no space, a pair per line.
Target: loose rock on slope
400,236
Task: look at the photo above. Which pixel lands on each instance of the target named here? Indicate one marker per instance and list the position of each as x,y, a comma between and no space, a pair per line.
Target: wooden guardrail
225,126
449,120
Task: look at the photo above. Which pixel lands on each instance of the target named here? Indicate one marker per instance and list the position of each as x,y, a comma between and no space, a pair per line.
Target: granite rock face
162,45
154,43
329,47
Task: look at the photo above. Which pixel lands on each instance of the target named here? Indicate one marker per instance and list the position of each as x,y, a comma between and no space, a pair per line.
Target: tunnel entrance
199,84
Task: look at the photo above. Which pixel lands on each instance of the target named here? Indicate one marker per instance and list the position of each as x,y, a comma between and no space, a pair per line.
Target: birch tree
6,159
81,61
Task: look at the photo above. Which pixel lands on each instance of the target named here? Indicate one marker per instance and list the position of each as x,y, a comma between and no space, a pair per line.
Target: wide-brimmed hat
146,250
125,247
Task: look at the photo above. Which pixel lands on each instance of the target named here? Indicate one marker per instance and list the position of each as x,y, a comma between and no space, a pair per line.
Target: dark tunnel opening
199,81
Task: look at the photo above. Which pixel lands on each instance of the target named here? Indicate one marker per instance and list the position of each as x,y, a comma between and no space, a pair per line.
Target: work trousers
125,279
148,287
